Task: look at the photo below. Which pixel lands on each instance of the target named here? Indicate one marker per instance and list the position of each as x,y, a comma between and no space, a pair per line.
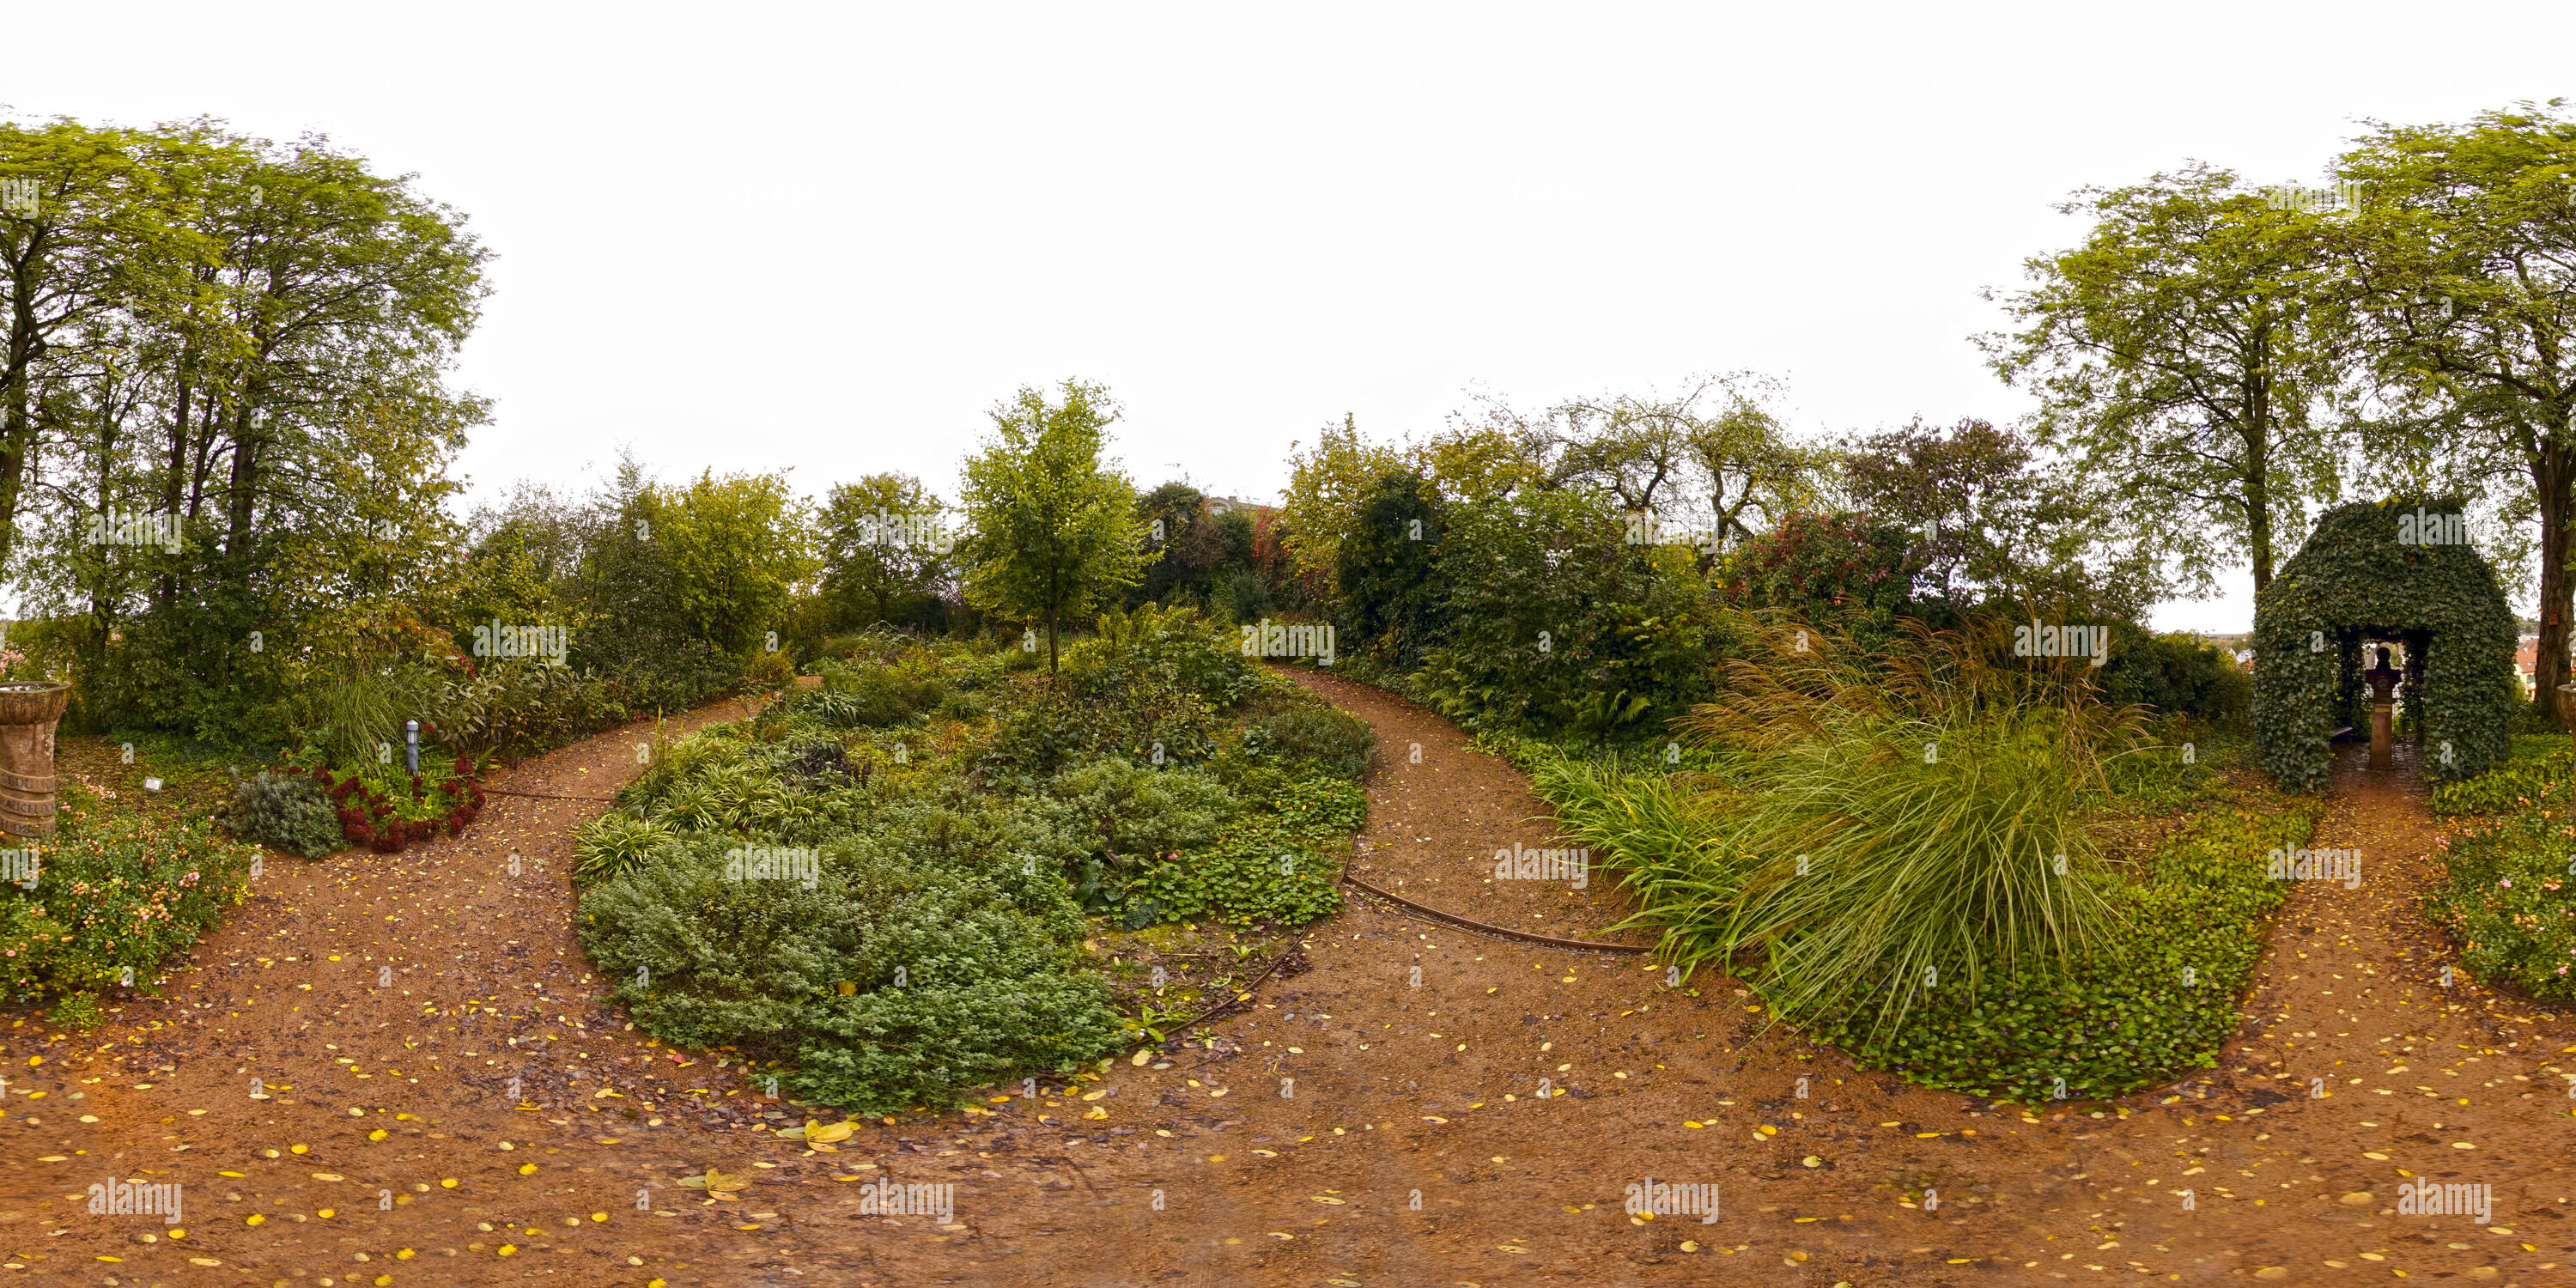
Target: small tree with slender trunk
1054,530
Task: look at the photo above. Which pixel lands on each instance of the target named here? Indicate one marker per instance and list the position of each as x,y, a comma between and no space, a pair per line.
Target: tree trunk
2550,475
2258,482
17,433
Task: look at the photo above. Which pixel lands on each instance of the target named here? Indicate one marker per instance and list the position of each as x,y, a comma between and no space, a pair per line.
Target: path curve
1410,1148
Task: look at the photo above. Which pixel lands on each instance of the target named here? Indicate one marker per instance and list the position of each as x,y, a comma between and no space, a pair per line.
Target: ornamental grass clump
1912,817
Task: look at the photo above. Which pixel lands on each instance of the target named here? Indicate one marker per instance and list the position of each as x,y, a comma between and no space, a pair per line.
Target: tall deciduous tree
1054,530
100,228
737,545
250,342
2462,272
1324,490
2186,350
1714,450
886,547
1989,517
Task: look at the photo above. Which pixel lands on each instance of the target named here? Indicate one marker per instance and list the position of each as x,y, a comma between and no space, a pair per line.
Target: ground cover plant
390,808
2532,770
882,888
2509,895
1910,857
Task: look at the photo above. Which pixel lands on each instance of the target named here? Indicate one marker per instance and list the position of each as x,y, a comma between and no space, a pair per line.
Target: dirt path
1351,1127
384,1003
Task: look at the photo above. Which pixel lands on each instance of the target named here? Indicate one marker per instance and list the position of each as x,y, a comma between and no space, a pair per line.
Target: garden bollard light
411,745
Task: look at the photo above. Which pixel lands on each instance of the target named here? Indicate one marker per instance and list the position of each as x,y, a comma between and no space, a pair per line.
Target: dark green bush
1393,596
286,812
1837,571
1317,737
2176,674
958,962
1140,814
1559,627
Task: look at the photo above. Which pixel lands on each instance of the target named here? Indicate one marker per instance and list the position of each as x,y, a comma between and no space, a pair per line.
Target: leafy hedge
1560,628
1830,569
2351,574
2511,901
2175,674
2131,1010
117,889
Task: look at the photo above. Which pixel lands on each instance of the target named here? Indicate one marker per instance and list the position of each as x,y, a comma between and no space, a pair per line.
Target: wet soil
1410,1104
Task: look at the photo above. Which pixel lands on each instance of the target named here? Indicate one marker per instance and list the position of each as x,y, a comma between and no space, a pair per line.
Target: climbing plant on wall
2378,568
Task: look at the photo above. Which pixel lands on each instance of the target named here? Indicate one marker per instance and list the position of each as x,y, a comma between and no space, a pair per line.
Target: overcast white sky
830,237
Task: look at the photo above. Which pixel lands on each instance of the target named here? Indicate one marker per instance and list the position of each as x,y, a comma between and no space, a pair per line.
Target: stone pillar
2382,732
28,713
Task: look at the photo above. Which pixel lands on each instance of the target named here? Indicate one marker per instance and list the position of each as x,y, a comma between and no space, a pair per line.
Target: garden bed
940,870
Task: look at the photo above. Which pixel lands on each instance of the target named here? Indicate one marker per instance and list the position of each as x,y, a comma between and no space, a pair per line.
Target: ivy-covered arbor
2394,570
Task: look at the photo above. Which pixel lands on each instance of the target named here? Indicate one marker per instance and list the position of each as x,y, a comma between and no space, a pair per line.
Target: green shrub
117,889
874,695
1560,627
2176,674
1273,865
286,812
1840,572
1914,817
1666,837
2508,900
1156,647
1142,813
1313,736
958,964
610,846
1050,731
522,706
2534,770
1237,886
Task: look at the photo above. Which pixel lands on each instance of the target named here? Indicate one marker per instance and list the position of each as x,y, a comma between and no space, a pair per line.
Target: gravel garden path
1376,1118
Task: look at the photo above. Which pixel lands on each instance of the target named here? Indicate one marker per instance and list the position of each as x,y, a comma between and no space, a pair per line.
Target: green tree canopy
1054,531
887,550
2461,269
2185,352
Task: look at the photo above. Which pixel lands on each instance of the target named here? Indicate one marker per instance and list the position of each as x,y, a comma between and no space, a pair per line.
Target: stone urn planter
28,712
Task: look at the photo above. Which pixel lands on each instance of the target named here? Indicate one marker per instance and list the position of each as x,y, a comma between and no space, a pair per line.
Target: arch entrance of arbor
2400,571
